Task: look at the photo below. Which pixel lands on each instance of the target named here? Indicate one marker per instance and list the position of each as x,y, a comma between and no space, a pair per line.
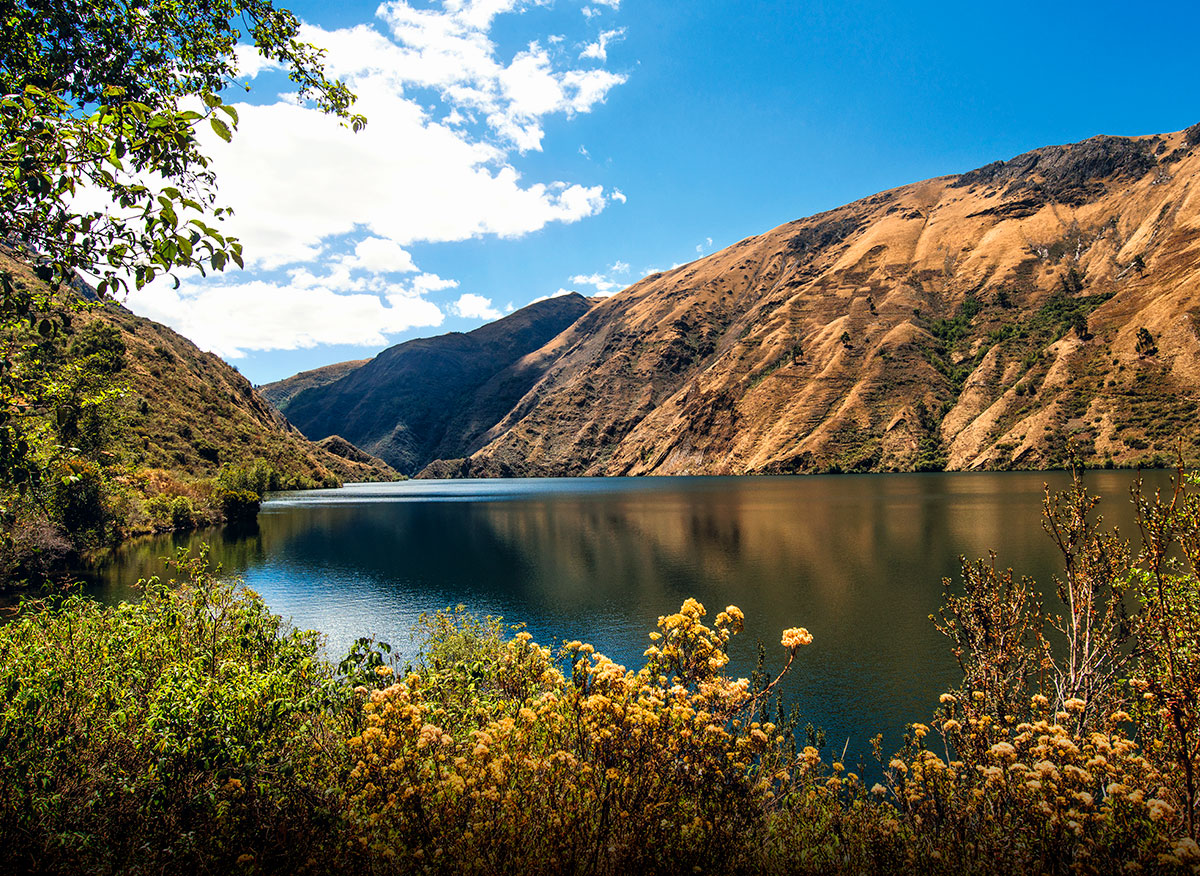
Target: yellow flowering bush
600,768
1038,796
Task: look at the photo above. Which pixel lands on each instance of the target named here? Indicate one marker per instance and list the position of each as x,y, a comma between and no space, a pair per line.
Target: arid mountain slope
433,398
191,412
281,392
975,321
188,412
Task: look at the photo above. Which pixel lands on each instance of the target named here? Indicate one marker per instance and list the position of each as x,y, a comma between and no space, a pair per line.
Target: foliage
177,733
1167,584
101,173
995,627
193,730
106,97
1038,797
60,393
490,756
239,506
255,477
1145,344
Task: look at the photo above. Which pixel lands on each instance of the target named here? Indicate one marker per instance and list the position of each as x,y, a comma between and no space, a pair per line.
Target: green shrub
257,477
238,506
173,512
177,734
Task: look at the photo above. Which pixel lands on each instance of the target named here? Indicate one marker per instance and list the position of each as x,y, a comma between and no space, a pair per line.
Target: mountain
192,412
433,398
281,392
1000,318
187,412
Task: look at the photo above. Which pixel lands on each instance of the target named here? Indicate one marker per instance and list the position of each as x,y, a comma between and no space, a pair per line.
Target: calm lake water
858,560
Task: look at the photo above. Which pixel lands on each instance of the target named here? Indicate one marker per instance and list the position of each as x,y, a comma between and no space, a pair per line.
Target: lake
857,559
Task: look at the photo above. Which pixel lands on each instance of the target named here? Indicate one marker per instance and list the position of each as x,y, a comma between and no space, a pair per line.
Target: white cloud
618,195
432,283
619,267
604,284
472,306
327,216
590,12
232,318
380,256
599,49
296,178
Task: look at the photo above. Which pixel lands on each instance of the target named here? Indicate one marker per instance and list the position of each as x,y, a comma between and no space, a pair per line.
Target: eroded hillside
433,398
976,321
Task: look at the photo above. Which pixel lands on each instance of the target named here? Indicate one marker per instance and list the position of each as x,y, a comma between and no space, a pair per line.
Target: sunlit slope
189,412
281,392
984,320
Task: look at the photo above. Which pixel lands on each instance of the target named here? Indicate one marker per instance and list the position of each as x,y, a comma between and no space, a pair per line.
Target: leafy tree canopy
107,95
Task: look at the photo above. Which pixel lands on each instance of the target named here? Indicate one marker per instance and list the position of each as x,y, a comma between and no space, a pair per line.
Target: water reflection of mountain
858,560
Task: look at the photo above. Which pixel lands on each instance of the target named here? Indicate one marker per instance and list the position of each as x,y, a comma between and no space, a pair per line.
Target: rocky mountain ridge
431,398
999,318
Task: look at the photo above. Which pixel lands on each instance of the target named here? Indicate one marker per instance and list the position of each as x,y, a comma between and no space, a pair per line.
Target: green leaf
221,129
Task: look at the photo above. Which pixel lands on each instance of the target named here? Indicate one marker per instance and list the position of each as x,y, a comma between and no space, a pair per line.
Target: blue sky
517,149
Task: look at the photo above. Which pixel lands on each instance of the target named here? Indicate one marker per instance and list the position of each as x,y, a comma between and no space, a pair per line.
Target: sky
518,149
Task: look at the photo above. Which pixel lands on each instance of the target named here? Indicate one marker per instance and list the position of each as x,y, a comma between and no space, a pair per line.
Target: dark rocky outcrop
1072,175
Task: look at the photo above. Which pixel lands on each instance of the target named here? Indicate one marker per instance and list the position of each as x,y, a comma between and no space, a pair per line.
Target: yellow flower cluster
794,637
1012,786
581,766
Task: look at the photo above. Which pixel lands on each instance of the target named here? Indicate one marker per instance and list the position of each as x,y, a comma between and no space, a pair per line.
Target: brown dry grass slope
985,320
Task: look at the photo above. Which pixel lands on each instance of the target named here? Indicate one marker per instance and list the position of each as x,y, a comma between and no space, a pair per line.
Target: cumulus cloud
233,318
602,284
598,50
327,217
380,256
472,306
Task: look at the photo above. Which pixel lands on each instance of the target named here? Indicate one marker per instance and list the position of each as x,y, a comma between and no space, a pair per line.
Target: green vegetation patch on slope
114,425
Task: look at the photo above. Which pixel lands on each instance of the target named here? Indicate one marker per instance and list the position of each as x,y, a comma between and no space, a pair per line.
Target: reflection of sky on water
857,559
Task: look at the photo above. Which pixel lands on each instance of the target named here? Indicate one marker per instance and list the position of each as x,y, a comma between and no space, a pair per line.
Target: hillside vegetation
133,429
